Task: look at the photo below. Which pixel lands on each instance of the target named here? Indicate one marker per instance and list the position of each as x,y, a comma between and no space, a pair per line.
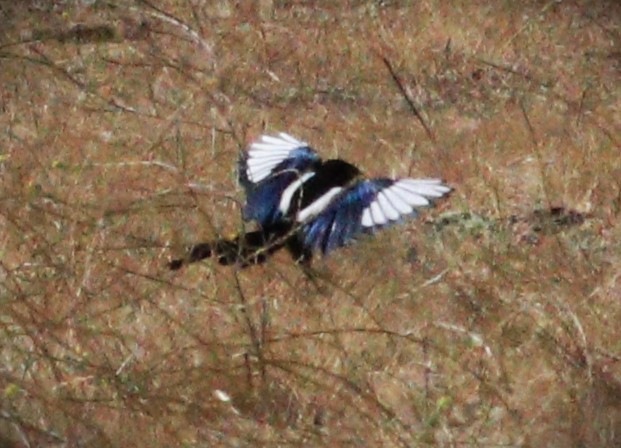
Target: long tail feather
247,249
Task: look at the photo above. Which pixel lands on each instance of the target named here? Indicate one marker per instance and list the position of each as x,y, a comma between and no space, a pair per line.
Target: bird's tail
246,249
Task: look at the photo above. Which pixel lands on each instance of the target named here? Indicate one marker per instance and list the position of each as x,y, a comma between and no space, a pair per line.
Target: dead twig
407,98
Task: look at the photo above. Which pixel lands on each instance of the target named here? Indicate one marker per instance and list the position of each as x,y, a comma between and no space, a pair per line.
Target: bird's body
306,204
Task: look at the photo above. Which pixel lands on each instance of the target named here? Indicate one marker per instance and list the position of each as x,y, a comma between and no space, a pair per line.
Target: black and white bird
305,204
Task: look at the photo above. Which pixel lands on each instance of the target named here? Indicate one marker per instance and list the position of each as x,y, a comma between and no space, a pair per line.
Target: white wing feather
400,199
266,153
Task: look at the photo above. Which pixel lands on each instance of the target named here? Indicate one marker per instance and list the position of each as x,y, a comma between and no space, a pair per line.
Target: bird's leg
300,254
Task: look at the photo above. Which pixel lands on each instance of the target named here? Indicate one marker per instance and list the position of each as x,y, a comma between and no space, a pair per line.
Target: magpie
306,205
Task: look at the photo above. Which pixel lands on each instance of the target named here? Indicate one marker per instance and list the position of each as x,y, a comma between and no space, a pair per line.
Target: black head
329,174
339,172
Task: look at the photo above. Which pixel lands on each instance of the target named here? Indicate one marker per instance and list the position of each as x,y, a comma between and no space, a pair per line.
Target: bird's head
341,170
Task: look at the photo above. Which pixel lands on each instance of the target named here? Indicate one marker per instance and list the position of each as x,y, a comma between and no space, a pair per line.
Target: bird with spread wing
306,205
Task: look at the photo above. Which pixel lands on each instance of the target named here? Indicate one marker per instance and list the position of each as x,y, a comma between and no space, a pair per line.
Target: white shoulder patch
400,199
287,195
266,153
318,205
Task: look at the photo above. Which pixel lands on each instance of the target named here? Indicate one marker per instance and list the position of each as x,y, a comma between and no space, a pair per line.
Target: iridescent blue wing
365,207
270,166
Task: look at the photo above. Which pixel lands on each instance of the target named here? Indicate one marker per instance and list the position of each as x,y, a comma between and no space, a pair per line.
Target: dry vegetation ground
492,321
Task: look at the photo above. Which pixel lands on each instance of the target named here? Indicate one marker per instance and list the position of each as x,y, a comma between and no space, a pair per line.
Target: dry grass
492,321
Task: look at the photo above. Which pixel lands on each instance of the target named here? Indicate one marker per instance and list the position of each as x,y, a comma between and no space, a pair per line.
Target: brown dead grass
492,321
